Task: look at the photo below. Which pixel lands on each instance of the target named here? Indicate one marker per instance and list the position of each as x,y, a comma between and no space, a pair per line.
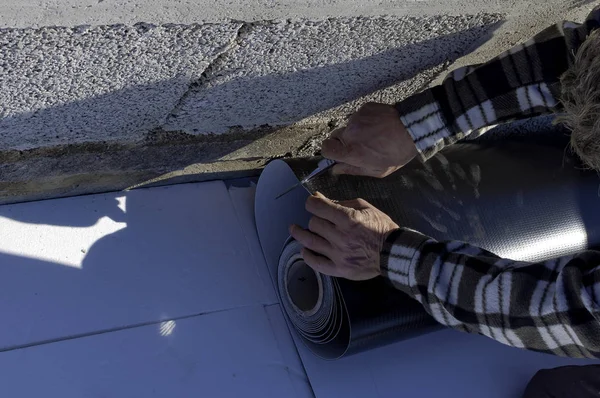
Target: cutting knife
323,166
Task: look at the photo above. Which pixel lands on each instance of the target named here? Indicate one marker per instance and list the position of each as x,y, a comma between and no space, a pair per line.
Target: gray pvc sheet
520,201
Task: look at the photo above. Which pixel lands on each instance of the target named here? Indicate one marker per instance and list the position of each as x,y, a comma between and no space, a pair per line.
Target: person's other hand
344,239
375,143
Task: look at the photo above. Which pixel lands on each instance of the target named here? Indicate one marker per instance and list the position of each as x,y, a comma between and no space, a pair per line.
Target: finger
345,168
311,240
347,205
325,229
338,133
335,149
319,263
320,206
357,204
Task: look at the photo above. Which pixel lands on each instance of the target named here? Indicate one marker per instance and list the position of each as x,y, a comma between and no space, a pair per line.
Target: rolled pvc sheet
520,201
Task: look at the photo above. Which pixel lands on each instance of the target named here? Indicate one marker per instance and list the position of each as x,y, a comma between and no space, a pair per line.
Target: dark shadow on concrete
305,93
580,3
290,97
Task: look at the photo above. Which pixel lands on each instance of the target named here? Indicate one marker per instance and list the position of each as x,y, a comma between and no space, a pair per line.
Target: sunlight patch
61,245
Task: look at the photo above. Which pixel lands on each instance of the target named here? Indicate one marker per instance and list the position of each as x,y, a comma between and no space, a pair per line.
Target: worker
551,306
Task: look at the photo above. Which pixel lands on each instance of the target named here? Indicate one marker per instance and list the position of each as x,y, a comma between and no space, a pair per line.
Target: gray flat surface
441,364
102,83
241,193
68,270
150,293
226,354
18,13
127,83
289,71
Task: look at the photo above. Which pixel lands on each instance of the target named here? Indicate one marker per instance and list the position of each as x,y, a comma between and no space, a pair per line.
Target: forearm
520,83
549,306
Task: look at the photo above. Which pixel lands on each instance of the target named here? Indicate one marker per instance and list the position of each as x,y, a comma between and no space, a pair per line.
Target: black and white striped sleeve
520,83
551,306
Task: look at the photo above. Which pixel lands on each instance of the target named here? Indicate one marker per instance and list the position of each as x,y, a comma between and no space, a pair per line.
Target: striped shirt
551,306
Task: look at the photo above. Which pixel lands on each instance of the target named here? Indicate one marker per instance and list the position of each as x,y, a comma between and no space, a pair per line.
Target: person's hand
374,143
343,239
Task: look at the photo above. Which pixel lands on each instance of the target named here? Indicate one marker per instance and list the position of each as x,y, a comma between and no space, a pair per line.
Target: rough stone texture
92,103
281,73
27,13
106,83
162,159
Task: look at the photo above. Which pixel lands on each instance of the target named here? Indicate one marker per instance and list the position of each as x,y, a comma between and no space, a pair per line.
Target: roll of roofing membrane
520,201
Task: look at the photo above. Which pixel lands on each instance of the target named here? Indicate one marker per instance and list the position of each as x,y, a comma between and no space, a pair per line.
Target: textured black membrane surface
519,200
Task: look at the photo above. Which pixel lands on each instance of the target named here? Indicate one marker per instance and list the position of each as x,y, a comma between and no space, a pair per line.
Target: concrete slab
103,83
83,109
70,170
20,13
281,73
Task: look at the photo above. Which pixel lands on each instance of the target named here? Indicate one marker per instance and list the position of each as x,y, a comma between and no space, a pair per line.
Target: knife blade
323,166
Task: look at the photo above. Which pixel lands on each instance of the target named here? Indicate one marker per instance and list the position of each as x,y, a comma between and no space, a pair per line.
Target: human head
581,99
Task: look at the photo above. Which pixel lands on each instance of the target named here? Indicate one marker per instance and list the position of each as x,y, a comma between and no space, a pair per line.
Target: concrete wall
100,95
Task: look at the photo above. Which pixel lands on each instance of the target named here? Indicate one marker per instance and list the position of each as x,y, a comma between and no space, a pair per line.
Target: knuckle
340,262
304,238
348,248
353,221
363,203
346,214
350,207
361,218
314,224
310,240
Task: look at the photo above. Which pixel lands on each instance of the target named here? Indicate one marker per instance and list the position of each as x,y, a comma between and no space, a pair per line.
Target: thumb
335,149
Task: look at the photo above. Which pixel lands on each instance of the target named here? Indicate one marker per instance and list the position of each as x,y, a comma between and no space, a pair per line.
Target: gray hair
580,96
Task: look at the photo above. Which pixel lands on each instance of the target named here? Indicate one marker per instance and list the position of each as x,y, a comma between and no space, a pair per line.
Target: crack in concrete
311,146
233,43
243,30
